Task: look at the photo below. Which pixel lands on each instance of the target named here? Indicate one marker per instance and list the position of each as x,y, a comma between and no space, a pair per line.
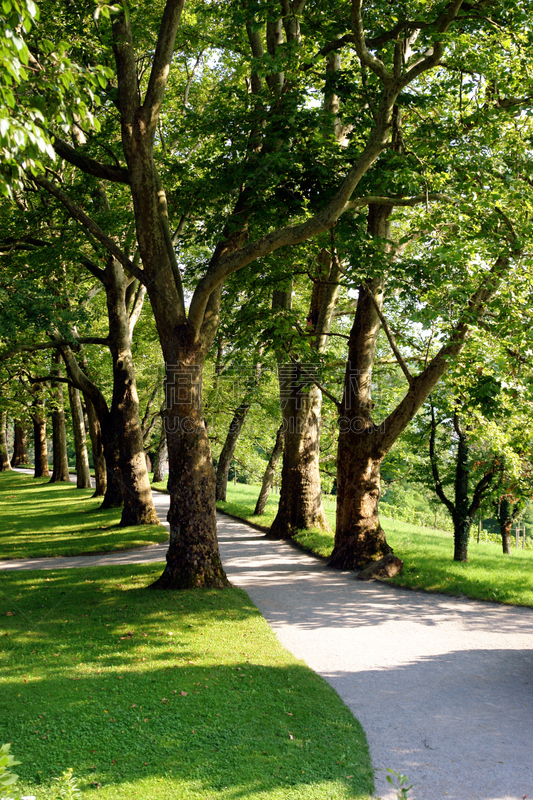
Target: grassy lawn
38,518
427,554
164,695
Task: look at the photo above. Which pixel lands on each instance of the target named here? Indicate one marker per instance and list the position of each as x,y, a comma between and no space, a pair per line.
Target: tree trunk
359,537
99,463
270,470
462,519
124,413
59,434
507,513
193,559
461,534
506,537
226,455
39,433
300,502
114,494
5,463
161,457
20,445
83,474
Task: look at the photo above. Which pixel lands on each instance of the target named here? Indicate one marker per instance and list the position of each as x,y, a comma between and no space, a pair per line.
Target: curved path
443,687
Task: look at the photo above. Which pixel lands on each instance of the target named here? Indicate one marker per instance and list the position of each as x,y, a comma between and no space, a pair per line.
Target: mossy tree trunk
97,448
269,473
20,444
60,470
38,416
83,474
5,463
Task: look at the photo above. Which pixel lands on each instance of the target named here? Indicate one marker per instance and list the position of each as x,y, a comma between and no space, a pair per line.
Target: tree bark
5,463
270,470
161,457
506,536
59,434
99,463
507,513
193,560
124,413
462,516
20,445
83,474
39,433
359,537
300,503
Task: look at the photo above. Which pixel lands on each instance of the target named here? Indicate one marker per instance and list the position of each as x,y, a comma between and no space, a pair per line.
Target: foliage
399,782
165,694
68,786
7,778
38,87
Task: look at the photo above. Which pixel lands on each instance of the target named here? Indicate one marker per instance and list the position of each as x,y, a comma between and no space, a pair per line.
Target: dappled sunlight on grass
38,518
164,694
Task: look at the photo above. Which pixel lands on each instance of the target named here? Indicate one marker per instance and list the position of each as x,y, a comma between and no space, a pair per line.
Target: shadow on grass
39,519
132,687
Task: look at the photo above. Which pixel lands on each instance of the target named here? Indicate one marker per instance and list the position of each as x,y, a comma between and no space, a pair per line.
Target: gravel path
443,687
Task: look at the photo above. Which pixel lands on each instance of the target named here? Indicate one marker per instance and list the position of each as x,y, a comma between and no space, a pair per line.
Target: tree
272,125
127,481
38,417
60,471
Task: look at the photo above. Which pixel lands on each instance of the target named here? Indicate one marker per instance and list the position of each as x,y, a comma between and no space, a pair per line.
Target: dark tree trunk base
142,517
188,576
110,502
281,529
358,551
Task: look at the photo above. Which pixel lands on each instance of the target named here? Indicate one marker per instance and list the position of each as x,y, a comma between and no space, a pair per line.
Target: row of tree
276,176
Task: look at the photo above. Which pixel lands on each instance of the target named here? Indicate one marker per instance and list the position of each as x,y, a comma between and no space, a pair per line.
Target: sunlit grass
427,554
164,695
39,518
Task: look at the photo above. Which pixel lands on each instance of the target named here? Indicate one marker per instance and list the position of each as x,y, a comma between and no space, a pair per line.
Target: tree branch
88,224
434,54
51,379
93,268
161,63
423,383
403,202
34,348
390,337
88,165
364,55
482,487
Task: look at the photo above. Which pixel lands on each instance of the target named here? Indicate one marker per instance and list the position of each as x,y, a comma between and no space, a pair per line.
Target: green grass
38,518
427,554
167,695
